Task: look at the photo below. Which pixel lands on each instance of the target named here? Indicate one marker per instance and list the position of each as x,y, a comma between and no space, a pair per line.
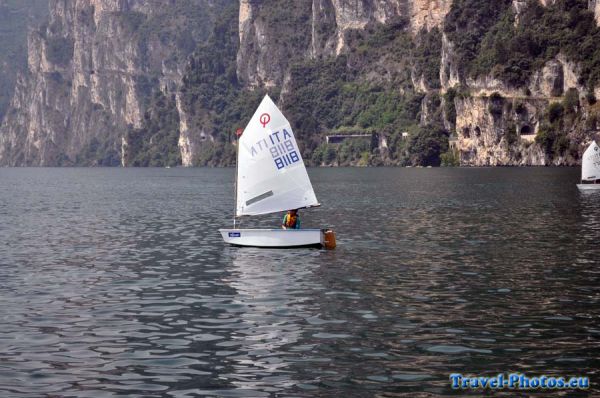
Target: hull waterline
588,187
275,238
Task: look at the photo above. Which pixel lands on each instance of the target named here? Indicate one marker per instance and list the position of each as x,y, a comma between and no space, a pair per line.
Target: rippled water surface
115,282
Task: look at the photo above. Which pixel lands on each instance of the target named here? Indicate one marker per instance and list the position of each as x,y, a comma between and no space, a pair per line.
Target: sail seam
259,198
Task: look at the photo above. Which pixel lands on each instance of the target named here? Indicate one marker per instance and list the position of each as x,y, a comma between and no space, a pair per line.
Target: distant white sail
271,172
590,168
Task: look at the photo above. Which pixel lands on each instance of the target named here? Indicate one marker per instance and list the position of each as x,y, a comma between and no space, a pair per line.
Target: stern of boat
328,239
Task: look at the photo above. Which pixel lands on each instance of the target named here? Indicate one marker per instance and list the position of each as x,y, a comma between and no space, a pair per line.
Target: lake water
115,282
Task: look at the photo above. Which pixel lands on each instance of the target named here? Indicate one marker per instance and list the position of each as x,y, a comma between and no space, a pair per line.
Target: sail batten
271,173
590,168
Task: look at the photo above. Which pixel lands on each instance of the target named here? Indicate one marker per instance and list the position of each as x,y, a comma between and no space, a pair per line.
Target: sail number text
281,146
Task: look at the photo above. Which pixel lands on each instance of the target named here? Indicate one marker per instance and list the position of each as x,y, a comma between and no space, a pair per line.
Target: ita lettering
281,146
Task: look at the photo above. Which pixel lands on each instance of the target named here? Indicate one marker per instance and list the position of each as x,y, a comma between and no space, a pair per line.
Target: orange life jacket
290,221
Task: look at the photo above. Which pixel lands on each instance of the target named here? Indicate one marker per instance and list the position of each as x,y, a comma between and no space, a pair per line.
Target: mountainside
475,82
93,70
15,17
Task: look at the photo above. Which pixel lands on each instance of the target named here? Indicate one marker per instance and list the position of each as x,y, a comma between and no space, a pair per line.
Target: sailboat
270,178
590,169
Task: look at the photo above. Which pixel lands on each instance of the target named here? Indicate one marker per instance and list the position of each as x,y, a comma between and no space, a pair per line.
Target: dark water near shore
115,282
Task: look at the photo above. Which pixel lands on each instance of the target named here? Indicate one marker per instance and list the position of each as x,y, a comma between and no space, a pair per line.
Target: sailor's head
293,212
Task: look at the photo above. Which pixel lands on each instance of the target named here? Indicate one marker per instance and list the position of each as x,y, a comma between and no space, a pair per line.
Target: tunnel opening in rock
526,130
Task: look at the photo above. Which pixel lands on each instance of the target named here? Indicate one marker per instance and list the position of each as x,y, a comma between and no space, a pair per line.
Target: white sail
271,172
590,168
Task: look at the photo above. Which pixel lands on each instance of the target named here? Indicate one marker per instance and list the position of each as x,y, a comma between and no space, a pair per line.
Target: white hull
588,187
273,237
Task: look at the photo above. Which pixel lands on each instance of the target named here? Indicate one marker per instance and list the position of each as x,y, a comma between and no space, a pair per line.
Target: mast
237,154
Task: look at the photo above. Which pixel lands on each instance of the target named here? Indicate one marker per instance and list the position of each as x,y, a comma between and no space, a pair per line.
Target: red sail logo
265,118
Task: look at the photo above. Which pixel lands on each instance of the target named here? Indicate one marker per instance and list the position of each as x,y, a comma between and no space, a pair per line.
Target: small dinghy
590,169
271,178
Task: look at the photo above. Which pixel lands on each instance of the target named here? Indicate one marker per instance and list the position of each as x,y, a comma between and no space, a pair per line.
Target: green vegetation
426,146
450,158
213,99
96,153
552,140
449,105
216,154
332,95
466,25
571,101
156,143
555,112
181,25
593,119
323,154
216,101
512,52
552,134
327,96
288,23
367,89
324,95
354,151
427,56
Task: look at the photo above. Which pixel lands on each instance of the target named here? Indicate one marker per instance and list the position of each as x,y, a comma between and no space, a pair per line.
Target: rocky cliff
138,82
15,18
545,117
287,48
319,28
92,69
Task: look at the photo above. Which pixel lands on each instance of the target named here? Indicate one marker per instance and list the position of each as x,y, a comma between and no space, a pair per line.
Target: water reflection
590,231
273,297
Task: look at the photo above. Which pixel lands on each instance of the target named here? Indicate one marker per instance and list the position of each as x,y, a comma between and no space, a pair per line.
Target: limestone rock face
15,19
449,71
91,71
506,137
93,68
428,13
552,80
556,78
263,58
502,131
498,132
